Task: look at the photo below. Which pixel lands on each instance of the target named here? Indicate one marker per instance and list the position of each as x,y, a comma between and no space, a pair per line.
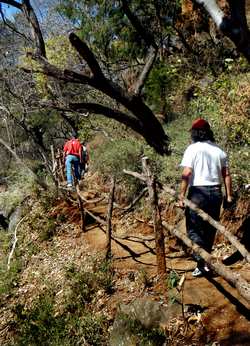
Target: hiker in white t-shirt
205,168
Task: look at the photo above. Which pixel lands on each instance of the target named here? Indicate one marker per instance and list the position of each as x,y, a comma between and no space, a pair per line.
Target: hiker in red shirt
73,152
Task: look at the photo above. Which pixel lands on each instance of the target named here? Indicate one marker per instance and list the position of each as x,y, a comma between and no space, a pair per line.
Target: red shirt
73,147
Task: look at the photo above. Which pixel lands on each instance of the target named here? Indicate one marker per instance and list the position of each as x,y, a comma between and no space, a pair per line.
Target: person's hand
229,203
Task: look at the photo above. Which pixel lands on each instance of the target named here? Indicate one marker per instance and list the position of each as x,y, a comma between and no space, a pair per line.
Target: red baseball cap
200,124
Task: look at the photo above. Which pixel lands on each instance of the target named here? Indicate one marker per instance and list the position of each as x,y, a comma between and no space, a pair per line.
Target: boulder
147,313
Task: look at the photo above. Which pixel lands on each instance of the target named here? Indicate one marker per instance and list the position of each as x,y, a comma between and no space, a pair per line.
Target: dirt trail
226,316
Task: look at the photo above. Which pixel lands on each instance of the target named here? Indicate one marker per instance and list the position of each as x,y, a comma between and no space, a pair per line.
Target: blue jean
209,199
75,161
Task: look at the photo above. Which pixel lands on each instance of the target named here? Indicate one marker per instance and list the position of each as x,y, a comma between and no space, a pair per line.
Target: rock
150,315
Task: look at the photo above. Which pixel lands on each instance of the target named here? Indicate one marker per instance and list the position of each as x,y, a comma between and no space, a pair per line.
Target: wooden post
158,230
109,219
82,212
60,165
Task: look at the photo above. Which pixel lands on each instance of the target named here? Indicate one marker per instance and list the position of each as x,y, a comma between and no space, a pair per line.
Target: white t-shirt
206,160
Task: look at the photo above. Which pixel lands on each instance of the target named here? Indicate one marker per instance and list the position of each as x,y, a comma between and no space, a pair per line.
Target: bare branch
150,128
13,28
35,27
133,203
12,3
135,175
138,86
95,108
38,180
64,75
14,242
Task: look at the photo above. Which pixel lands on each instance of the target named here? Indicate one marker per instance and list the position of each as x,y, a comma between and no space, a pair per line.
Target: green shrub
85,284
40,325
8,278
112,158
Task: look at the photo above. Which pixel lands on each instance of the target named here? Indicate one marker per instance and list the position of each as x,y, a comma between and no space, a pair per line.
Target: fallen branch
96,218
242,286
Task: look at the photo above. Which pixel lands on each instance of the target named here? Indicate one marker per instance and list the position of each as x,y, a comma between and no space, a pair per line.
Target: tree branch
138,85
86,54
152,130
30,15
7,23
135,175
233,240
12,3
95,108
14,242
144,32
38,180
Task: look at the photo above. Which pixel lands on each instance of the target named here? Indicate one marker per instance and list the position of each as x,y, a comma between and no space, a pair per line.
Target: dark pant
209,199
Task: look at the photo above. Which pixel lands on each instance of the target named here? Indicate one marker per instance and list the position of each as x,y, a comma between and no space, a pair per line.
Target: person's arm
186,174
228,183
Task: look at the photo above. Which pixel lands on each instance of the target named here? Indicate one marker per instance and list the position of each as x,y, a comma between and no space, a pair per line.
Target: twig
131,205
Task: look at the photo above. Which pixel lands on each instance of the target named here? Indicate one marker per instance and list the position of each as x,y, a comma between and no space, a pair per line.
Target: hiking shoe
69,185
197,272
